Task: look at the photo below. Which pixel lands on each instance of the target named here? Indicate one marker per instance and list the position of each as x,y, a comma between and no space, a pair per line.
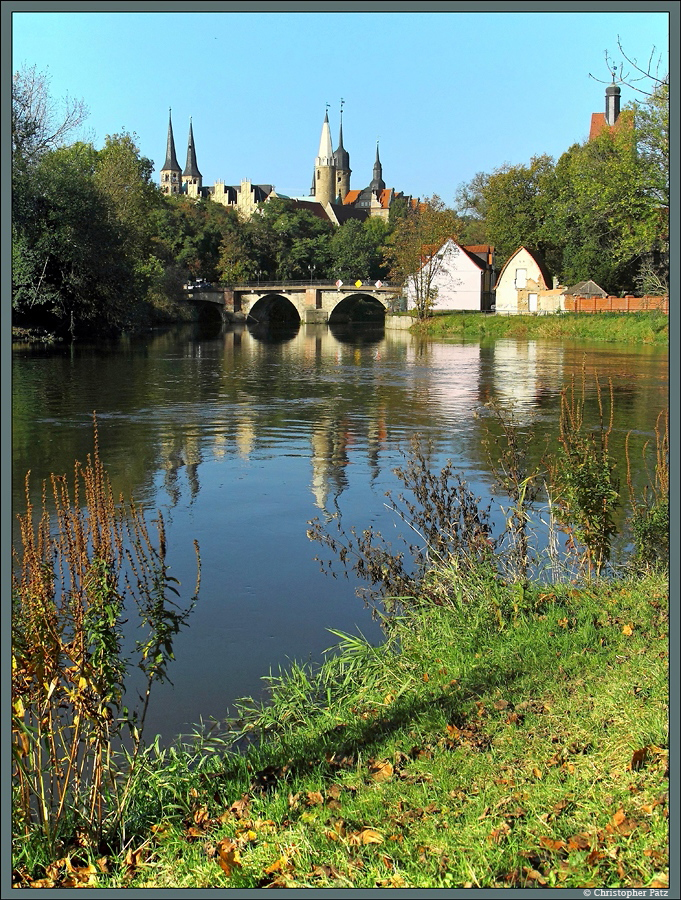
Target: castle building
330,194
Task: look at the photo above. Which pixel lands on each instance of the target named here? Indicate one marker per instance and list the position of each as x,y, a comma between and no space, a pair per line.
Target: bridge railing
283,282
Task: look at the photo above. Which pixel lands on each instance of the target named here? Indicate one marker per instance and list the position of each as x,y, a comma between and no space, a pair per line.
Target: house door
532,301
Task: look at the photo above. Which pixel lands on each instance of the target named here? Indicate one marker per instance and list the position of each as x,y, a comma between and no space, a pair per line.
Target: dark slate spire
171,162
341,157
191,169
377,183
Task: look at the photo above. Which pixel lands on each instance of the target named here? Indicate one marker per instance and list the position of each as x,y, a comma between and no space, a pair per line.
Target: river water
241,438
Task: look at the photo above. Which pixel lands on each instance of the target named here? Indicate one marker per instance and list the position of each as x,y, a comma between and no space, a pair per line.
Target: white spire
325,157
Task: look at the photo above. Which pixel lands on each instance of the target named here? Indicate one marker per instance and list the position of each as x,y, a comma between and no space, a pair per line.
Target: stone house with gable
525,286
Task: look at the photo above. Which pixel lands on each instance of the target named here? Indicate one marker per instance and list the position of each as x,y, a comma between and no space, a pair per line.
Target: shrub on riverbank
643,327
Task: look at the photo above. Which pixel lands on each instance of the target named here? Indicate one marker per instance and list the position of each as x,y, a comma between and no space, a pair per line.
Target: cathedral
330,196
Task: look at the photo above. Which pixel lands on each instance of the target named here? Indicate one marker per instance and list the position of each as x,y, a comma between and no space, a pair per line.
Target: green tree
356,249
511,202
125,178
603,215
411,250
289,243
71,268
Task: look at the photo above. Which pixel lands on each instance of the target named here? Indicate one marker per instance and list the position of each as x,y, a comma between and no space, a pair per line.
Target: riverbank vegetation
511,731
639,327
97,248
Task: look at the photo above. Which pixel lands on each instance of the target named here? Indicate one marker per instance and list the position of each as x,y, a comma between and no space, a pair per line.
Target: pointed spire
171,162
377,183
191,169
325,156
341,157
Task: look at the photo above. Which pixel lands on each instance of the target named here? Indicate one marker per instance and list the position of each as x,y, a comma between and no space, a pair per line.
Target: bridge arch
274,309
358,307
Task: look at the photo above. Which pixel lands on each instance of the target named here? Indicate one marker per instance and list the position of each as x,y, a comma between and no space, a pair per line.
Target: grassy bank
498,738
645,327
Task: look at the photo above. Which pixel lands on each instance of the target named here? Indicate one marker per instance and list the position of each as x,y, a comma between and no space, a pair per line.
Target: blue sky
447,94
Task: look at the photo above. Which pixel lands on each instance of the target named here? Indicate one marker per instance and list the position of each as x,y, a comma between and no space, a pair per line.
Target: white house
460,277
525,286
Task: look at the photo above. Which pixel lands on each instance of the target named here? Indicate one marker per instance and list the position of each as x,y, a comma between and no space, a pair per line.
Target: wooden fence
615,304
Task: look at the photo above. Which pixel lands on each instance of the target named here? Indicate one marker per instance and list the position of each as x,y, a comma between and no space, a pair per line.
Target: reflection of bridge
304,301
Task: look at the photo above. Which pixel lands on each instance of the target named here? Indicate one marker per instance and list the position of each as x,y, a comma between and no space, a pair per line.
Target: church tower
192,179
171,172
612,102
341,160
324,167
377,184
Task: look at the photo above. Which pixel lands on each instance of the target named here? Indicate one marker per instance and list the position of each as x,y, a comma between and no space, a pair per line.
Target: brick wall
615,304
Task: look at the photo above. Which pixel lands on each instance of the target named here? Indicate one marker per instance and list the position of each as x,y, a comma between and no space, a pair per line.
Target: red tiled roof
597,125
350,197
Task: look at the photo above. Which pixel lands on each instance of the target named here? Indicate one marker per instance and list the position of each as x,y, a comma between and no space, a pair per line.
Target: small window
520,278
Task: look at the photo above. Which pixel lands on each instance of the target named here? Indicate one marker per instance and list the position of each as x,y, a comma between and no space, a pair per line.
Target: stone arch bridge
309,303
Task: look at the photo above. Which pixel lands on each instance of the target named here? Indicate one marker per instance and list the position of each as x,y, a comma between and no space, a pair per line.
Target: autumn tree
411,251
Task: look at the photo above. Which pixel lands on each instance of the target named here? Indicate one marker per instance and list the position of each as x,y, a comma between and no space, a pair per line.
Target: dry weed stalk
72,575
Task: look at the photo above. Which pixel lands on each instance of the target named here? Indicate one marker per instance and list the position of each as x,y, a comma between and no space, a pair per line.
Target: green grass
486,743
643,327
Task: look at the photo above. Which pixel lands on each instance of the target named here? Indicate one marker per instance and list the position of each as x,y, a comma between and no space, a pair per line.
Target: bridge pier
315,316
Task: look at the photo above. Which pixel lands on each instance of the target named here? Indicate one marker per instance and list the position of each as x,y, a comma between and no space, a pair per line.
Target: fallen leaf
395,881
534,875
365,836
581,841
628,630
240,807
381,770
548,843
500,704
228,856
638,759
661,880
618,818
314,798
325,871
497,835
201,816
536,772
280,865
